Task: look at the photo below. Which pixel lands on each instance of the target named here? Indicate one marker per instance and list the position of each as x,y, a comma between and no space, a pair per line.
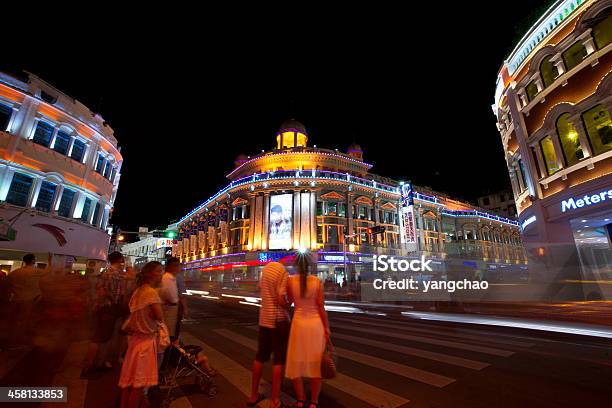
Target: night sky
414,87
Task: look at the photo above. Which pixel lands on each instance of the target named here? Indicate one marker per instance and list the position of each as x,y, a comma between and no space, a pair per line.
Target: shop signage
273,256
163,243
528,221
586,201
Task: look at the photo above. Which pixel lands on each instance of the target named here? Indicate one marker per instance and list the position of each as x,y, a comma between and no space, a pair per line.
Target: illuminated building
59,171
297,197
553,104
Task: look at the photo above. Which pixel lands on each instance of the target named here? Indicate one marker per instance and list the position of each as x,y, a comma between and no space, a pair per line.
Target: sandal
260,397
300,404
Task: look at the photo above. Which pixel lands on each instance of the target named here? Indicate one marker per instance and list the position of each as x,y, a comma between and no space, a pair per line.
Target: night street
387,361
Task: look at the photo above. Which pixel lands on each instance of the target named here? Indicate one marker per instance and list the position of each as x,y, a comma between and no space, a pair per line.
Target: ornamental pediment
239,201
388,206
364,200
332,195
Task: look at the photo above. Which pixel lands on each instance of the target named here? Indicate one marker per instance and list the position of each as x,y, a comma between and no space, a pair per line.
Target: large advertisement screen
280,221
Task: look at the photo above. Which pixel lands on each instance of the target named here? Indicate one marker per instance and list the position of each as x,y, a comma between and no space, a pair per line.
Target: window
550,158
320,234
100,164
532,90
332,234
486,201
341,210
570,142
319,208
19,191
86,210
574,55
45,196
62,142
602,32
107,169
5,116
331,208
599,128
96,214
523,177
112,176
548,71
43,134
66,203
78,150
362,212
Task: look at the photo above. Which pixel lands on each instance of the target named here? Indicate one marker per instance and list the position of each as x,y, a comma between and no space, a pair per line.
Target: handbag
163,336
329,362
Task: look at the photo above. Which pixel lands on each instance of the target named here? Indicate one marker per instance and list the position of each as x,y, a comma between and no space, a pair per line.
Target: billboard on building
408,228
281,221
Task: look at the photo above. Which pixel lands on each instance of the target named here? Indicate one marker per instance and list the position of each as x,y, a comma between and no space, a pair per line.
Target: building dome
292,125
291,134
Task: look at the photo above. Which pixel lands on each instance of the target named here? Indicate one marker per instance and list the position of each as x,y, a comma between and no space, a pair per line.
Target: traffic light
377,229
170,234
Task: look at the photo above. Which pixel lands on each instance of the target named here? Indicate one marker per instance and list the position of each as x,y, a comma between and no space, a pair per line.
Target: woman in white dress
309,332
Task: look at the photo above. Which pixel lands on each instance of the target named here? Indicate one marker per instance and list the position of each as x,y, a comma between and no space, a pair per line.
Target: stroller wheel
206,386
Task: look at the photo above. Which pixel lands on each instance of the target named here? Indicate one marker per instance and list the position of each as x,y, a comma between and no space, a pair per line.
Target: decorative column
585,146
349,214
313,219
296,219
59,190
71,145
557,61
541,164
34,192
250,243
266,220
6,180
587,40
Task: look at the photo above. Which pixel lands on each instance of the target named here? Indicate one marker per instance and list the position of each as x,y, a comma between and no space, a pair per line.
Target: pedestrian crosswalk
425,357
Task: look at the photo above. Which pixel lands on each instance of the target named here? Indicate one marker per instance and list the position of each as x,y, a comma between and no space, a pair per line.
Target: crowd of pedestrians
297,346
135,316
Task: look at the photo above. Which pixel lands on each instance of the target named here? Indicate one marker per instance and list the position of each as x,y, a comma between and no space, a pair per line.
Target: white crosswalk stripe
440,332
428,340
358,389
396,368
233,372
411,351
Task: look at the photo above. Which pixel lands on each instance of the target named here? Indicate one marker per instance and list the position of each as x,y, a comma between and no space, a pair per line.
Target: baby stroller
182,363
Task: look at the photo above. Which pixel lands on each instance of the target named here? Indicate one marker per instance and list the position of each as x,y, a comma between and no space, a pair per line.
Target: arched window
599,128
570,142
602,32
574,55
548,153
532,90
548,71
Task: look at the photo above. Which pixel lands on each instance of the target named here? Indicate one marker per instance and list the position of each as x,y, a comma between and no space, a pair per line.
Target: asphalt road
395,361
385,360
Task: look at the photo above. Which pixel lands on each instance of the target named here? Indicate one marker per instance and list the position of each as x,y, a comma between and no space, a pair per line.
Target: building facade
553,105
147,249
296,197
59,171
500,203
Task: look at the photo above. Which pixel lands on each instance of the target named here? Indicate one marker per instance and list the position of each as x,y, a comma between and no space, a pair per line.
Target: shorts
273,341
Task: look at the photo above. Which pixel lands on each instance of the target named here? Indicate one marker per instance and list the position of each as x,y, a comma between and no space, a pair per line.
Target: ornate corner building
553,105
296,197
59,172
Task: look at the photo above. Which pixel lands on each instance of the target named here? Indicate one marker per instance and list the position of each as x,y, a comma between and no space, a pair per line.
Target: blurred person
309,332
273,332
169,294
139,369
111,295
23,284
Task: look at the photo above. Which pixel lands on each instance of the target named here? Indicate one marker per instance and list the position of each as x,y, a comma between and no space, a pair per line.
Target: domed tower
355,151
291,134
